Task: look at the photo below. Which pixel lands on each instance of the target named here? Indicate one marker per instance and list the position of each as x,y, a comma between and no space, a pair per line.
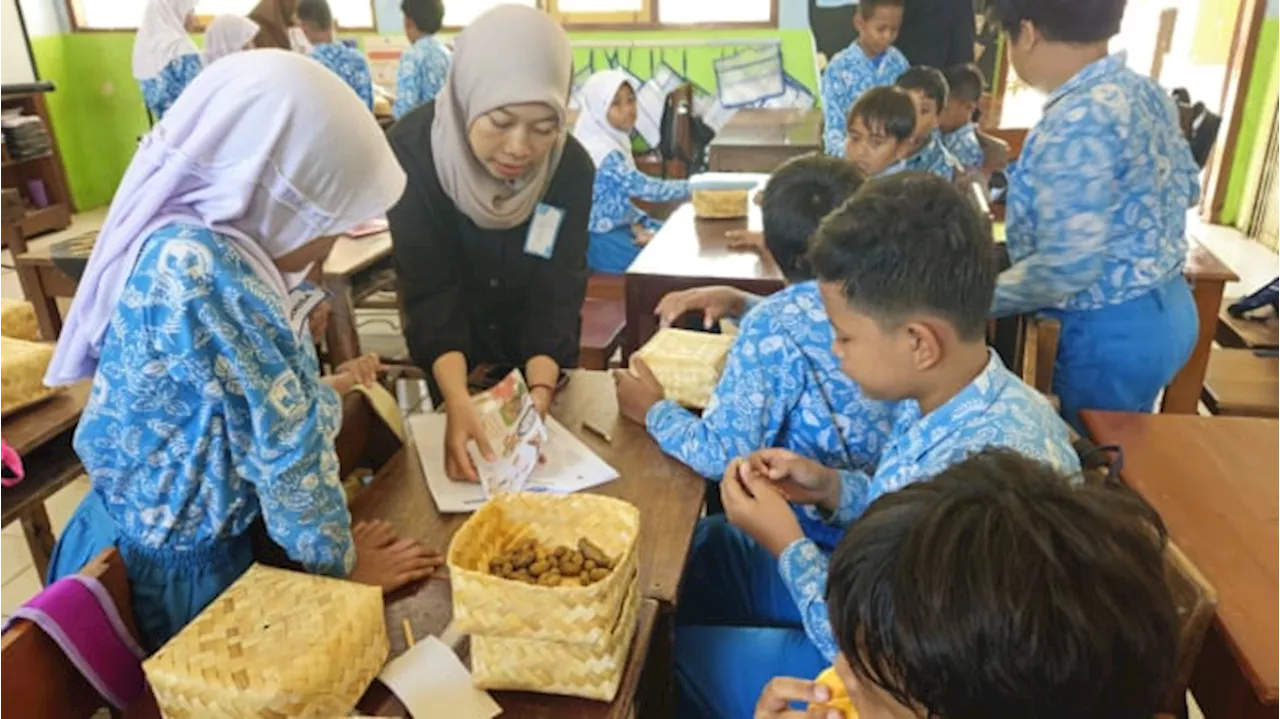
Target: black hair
965,82
315,12
427,15
799,194
910,243
998,589
928,80
1071,21
885,108
868,7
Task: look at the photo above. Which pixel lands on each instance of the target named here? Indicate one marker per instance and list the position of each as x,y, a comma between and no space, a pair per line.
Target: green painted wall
1262,84
98,113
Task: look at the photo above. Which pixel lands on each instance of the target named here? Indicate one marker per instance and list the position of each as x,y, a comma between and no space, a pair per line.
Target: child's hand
714,303
363,369
393,565
799,479
377,533
642,236
755,506
778,696
637,392
745,240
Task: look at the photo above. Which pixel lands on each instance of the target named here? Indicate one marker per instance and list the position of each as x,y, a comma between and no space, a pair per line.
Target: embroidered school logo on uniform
286,397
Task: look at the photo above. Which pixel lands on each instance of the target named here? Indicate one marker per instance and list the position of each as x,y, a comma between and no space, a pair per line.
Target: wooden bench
603,322
1242,382
1245,333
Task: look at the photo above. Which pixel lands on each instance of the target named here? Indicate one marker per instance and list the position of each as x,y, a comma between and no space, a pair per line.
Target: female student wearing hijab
618,229
275,20
490,237
207,410
165,59
227,34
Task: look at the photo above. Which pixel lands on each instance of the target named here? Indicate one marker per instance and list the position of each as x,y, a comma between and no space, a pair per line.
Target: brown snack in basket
550,579
539,568
531,562
594,553
597,574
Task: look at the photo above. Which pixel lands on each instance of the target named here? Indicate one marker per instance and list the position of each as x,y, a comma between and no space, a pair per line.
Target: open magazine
515,432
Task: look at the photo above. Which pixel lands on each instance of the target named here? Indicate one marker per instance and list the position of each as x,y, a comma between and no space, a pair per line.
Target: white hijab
266,147
227,34
593,130
162,37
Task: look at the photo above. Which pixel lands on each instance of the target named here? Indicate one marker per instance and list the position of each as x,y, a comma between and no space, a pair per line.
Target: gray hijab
510,55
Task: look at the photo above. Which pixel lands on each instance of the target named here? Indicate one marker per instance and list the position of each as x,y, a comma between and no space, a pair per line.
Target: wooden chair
1196,600
1242,383
42,682
1028,345
603,325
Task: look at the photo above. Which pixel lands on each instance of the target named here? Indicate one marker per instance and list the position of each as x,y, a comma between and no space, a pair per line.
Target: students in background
275,18
871,61
881,126
424,65
955,122
165,60
906,276
490,237
781,385
927,87
227,34
618,229
1097,210
999,589
207,409
316,22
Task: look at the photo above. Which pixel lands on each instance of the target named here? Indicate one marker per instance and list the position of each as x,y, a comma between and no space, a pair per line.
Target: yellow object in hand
839,695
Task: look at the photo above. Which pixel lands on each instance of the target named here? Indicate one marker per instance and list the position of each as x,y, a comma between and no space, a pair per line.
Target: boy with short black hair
881,126
870,61
998,589
956,121
906,274
424,65
1097,212
928,89
316,21
781,386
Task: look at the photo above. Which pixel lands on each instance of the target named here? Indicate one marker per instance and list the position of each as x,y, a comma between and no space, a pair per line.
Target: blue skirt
169,587
612,252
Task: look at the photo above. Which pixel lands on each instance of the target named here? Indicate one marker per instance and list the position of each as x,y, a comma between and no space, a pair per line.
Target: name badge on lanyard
301,302
544,228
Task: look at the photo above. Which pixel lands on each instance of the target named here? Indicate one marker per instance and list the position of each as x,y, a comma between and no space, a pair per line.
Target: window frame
618,21
74,20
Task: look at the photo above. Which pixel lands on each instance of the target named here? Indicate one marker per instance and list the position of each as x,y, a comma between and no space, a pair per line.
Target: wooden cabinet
46,169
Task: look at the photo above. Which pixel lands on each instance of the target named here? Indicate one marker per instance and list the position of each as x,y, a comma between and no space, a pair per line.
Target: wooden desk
668,494
1242,383
43,283
355,270
688,252
1208,276
42,436
760,140
1246,333
1213,480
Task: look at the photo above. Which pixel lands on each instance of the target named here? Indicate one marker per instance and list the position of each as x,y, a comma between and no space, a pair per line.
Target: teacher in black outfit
490,236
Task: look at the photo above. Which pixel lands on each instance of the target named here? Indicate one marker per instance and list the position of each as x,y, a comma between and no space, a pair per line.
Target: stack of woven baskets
565,639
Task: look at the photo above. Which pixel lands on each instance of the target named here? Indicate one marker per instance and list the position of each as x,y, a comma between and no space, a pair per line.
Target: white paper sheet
569,465
431,681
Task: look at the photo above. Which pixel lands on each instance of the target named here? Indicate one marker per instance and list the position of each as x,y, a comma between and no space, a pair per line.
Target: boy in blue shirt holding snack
906,275
871,61
1097,209
928,89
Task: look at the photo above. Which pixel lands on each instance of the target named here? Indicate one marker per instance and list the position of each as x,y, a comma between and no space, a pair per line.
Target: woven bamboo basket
275,644
687,364
492,606
592,671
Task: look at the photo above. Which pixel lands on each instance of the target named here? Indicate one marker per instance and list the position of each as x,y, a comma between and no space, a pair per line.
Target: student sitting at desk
618,229
927,87
882,125
207,409
965,86
906,276
227,34
424,65
1097,210
782,386
316,21
871,61
165,60
998,589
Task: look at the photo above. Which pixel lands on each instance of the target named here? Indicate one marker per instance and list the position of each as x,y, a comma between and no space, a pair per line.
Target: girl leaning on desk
490,237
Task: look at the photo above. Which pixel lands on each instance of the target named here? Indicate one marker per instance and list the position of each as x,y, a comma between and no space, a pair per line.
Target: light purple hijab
266,147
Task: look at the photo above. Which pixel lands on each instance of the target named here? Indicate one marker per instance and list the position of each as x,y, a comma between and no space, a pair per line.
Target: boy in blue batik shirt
927,87
955,122
906,276
316,21
1097,203
781,386
871,61
881,126
425,64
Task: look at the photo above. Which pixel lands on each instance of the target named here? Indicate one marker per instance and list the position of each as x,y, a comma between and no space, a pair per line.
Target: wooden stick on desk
408,633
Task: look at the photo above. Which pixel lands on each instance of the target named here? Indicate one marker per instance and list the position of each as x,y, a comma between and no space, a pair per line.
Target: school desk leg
1183,394
39,534
656,698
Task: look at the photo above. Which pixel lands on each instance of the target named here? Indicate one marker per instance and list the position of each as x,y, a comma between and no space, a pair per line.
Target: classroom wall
1261,91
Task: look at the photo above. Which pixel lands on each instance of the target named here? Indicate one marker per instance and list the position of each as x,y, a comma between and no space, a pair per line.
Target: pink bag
12,463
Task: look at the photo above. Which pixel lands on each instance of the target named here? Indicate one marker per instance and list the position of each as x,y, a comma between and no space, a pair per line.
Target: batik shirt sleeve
161,91
963,143
617,183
